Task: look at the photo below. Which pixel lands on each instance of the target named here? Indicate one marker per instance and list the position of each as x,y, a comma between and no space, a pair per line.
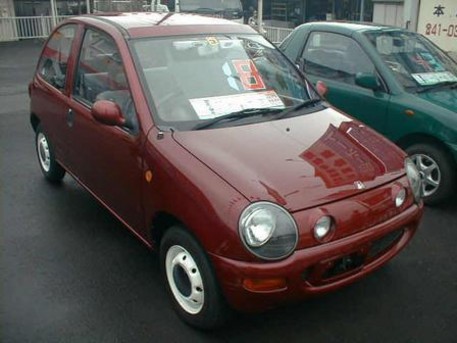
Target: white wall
388,14
441,29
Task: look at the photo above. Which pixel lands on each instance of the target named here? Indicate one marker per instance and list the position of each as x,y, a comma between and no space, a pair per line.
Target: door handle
70,117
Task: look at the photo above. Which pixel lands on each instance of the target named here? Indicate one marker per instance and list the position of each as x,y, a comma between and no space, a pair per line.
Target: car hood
446,98
298,162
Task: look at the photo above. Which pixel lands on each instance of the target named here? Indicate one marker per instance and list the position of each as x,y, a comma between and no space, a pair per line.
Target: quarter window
54,60
336,57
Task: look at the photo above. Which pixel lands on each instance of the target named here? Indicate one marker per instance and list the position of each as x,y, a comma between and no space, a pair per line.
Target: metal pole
88,6
362,9
260,15
53,13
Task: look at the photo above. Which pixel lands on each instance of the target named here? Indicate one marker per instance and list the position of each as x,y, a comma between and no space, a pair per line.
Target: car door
106,159
336,59
51,88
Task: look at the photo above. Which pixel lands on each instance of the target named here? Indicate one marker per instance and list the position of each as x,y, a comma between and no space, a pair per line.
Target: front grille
384,243
327,271
343,265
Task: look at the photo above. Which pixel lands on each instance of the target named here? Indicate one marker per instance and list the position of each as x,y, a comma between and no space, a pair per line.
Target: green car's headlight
268,230
414,178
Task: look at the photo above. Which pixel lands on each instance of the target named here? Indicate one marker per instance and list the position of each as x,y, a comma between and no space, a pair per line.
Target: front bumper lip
306,271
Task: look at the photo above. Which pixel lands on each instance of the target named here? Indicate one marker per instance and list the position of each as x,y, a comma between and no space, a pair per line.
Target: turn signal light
265,285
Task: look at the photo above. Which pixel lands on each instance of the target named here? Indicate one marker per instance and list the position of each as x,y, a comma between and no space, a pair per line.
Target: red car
211,147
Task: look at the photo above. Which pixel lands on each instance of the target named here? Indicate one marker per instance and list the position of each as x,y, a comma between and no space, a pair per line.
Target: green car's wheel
437,172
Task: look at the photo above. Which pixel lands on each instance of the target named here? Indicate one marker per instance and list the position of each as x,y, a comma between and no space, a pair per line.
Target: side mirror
367,80
321,88
108,113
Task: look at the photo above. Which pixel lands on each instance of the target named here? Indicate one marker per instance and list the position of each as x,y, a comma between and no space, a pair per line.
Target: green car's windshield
414,60
193,79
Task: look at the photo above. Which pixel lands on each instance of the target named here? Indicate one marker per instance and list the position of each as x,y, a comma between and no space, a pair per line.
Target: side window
100,75
335,57
54,60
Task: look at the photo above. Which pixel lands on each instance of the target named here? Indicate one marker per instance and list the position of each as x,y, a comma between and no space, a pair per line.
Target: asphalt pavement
70,272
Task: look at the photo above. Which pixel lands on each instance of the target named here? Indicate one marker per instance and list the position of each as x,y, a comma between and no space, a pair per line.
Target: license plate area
344,265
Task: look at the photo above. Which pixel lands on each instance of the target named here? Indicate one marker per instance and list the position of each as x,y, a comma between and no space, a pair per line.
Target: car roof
350,27
148,24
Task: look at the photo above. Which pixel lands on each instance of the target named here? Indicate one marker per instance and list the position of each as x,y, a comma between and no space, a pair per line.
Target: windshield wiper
451,84
248,112
307,103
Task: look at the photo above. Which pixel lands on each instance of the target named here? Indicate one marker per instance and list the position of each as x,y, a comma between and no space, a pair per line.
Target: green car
393,80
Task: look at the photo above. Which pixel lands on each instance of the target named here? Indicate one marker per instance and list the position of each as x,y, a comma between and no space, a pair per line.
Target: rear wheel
191,281
437,171
50,168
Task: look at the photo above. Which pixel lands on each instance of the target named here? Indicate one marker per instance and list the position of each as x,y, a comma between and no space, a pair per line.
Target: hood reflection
350,154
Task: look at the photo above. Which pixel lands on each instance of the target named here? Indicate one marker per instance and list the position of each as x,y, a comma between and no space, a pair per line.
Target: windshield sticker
428,79
246,73
208,108
249,75
431,61
212,40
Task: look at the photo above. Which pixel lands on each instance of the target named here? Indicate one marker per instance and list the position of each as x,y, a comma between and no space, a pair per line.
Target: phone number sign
438,22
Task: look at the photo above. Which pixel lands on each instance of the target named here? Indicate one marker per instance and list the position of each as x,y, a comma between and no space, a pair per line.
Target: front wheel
437,171
50,168
191,281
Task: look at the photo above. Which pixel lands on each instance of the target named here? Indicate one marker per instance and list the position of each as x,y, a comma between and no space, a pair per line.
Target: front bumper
319,269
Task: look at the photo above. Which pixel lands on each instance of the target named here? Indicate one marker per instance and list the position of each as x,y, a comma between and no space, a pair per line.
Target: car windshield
215,5
190,80
414,60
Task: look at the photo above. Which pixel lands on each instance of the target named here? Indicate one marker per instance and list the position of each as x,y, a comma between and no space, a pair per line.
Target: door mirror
321,88
108,113
367,80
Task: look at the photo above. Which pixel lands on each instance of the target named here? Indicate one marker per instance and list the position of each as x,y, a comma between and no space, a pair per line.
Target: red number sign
249,75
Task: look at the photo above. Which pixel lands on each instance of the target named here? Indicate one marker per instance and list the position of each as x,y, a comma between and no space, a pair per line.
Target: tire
50,168
190,280
437,170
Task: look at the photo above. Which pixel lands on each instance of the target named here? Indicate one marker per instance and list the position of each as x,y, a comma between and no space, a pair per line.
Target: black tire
444,174
50,168
198,302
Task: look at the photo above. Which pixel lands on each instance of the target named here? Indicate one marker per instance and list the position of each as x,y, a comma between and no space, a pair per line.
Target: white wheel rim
44,155
430,173
185,279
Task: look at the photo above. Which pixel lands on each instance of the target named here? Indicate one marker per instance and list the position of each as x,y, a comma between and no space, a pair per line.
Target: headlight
268,230
414,178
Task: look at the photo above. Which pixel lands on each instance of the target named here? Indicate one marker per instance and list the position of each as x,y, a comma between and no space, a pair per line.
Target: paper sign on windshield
207,108
428,79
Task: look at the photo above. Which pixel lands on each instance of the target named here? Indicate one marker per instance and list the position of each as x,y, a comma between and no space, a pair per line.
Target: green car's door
336,59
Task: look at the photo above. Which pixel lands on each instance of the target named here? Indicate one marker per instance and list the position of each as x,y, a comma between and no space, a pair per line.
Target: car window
100,75
54,60
336,57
